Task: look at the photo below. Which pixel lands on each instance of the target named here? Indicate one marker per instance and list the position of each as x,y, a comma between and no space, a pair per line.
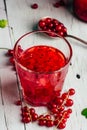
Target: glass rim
42,31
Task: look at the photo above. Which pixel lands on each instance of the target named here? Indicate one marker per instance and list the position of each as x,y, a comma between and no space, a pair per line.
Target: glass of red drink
42,63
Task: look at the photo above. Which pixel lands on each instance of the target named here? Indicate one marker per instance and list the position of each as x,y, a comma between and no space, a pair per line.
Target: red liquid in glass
41,81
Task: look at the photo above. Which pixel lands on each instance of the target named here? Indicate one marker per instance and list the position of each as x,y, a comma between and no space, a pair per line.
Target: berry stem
76,38
59,121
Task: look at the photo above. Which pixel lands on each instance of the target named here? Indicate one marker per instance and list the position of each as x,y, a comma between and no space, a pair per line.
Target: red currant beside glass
59,111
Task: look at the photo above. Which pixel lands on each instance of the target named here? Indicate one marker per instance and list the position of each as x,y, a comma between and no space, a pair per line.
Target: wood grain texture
22,18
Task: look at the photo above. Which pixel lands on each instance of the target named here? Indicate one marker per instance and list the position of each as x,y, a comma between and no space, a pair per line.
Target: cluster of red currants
59,111
52,25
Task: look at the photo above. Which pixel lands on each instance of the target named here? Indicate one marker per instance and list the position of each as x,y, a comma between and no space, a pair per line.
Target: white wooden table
22,18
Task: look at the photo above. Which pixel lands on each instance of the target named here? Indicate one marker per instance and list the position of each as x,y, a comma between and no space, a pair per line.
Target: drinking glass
41,63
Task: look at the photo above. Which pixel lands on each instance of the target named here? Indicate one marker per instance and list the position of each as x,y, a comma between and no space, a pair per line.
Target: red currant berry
49,123
18,102
61,125
48,117
26,119
54,110
71,91
66,114
56,122
59,115
64,120
48,20
69,110
32,111
50,25
57,4
53,105
25,114
55,22
58,100
42,24
44,28
34,117
64,30
10,52
42,122
61,108
64,96
58,27
61,33
34,6
41,117
69,102
25,109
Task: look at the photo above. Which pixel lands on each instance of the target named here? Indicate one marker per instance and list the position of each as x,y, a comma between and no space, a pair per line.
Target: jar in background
80,9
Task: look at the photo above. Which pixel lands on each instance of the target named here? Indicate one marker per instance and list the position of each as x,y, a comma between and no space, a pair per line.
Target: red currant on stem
48,117
25,114
69,102
54,110
34,116
42,122
71,91
41,117
59,100
32,110
49,123
26,119
64,120
66,114
59,115
64,95
25,109
54,105
61,125
61,108
69,110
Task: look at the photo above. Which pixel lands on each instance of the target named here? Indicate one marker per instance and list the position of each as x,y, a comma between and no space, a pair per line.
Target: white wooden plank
9,94
5,41
2,119
2,5
4,32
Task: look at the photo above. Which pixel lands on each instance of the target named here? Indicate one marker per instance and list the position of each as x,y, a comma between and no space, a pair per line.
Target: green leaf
84,112
3,23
